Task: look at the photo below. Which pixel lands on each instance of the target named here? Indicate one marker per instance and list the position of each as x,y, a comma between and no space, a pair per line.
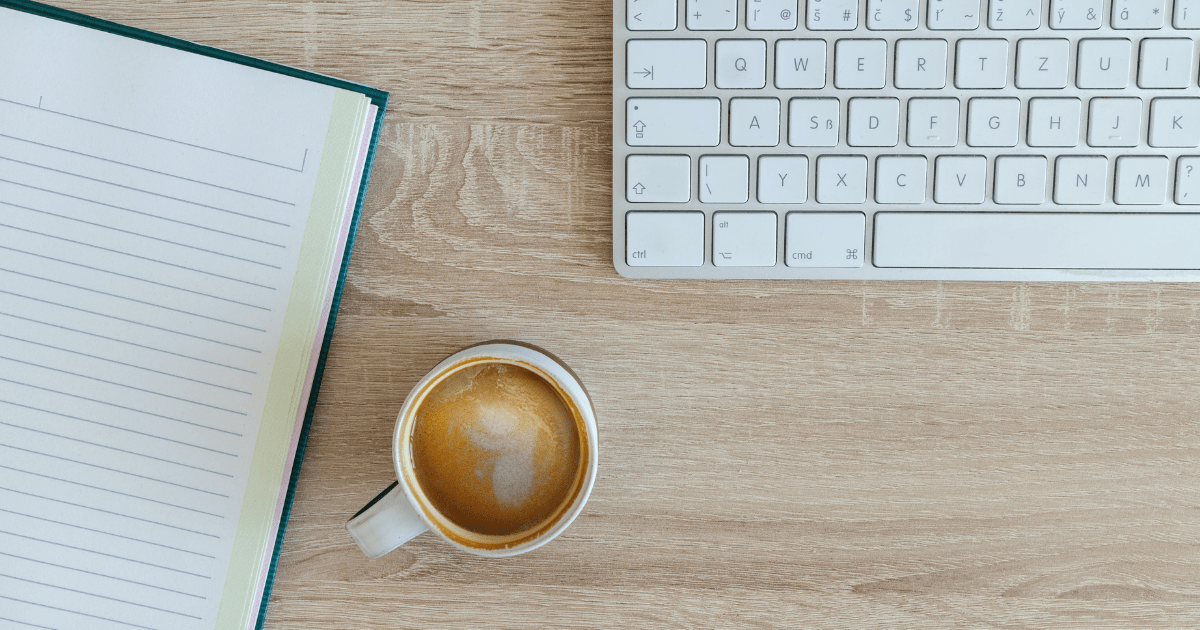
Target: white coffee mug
402,511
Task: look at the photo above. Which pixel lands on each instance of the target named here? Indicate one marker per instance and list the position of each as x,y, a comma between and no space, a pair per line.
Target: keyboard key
814,122
1103,63
1139,14
1187,14
993,122
1076,15
724,178
658,178
832,15
771,15
841,179
741,63
981,63
1175,122
900,179
711,15
782,179
892,15
1187,181
860,63
650,15
825,239
744,239
1141,180
874,122
1042,63
1015,15
953,15
1053,122
666,63
1020,179
673,122
933,122
1115,122
959,179
1080,180
754,122
664,239
1036,240
921,64
1166,63
800,64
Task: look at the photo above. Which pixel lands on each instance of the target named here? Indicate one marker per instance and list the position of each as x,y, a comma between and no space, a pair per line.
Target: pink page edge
331,287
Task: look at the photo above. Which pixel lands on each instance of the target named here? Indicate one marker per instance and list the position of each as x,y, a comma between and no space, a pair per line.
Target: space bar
978,240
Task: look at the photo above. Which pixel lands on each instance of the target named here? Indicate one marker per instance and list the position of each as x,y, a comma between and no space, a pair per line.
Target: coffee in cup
495,450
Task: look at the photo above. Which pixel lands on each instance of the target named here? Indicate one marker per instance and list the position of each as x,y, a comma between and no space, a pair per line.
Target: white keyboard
907,139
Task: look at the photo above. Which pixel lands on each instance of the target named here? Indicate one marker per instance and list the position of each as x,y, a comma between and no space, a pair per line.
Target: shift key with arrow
666,63
658,178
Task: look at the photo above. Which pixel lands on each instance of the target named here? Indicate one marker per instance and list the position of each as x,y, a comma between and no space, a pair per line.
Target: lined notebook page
152,205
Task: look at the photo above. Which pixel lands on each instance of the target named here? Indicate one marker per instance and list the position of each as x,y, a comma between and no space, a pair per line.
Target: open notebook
175,224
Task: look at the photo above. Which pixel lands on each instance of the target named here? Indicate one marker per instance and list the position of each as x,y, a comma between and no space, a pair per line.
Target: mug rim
565,379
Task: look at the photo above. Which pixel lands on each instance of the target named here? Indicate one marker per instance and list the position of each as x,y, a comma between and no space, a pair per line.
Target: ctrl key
825,239
664,239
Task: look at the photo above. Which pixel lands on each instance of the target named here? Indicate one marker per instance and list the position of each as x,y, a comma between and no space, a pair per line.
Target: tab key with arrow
666,63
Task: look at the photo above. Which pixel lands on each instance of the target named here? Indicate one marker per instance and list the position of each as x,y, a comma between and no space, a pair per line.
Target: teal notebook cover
377,97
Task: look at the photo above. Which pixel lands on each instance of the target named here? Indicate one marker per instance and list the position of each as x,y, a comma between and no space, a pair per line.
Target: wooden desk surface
773,455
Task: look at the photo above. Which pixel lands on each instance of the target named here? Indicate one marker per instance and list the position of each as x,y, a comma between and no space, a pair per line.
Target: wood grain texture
773,455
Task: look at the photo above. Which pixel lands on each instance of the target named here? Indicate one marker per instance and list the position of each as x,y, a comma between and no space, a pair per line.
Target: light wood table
773,454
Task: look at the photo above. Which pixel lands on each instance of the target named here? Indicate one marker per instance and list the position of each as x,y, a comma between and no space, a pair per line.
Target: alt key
744,239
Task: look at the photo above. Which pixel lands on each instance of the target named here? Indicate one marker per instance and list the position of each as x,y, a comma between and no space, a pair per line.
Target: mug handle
385,523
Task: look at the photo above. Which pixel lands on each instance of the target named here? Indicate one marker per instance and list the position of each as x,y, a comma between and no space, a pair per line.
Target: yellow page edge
342,141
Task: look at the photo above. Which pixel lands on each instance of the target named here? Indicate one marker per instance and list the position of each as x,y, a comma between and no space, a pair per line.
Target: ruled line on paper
116,384
26,623
123,472
96,509
150,170
122,275
130,321
75,612
110,490
148,413
98,531
113,426
144,214
129,299
120,450
150,135
111,599
146,192
131,365
129,343
139,234
111,577
146,258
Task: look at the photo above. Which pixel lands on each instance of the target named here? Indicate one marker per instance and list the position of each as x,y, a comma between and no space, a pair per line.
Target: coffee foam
497,450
